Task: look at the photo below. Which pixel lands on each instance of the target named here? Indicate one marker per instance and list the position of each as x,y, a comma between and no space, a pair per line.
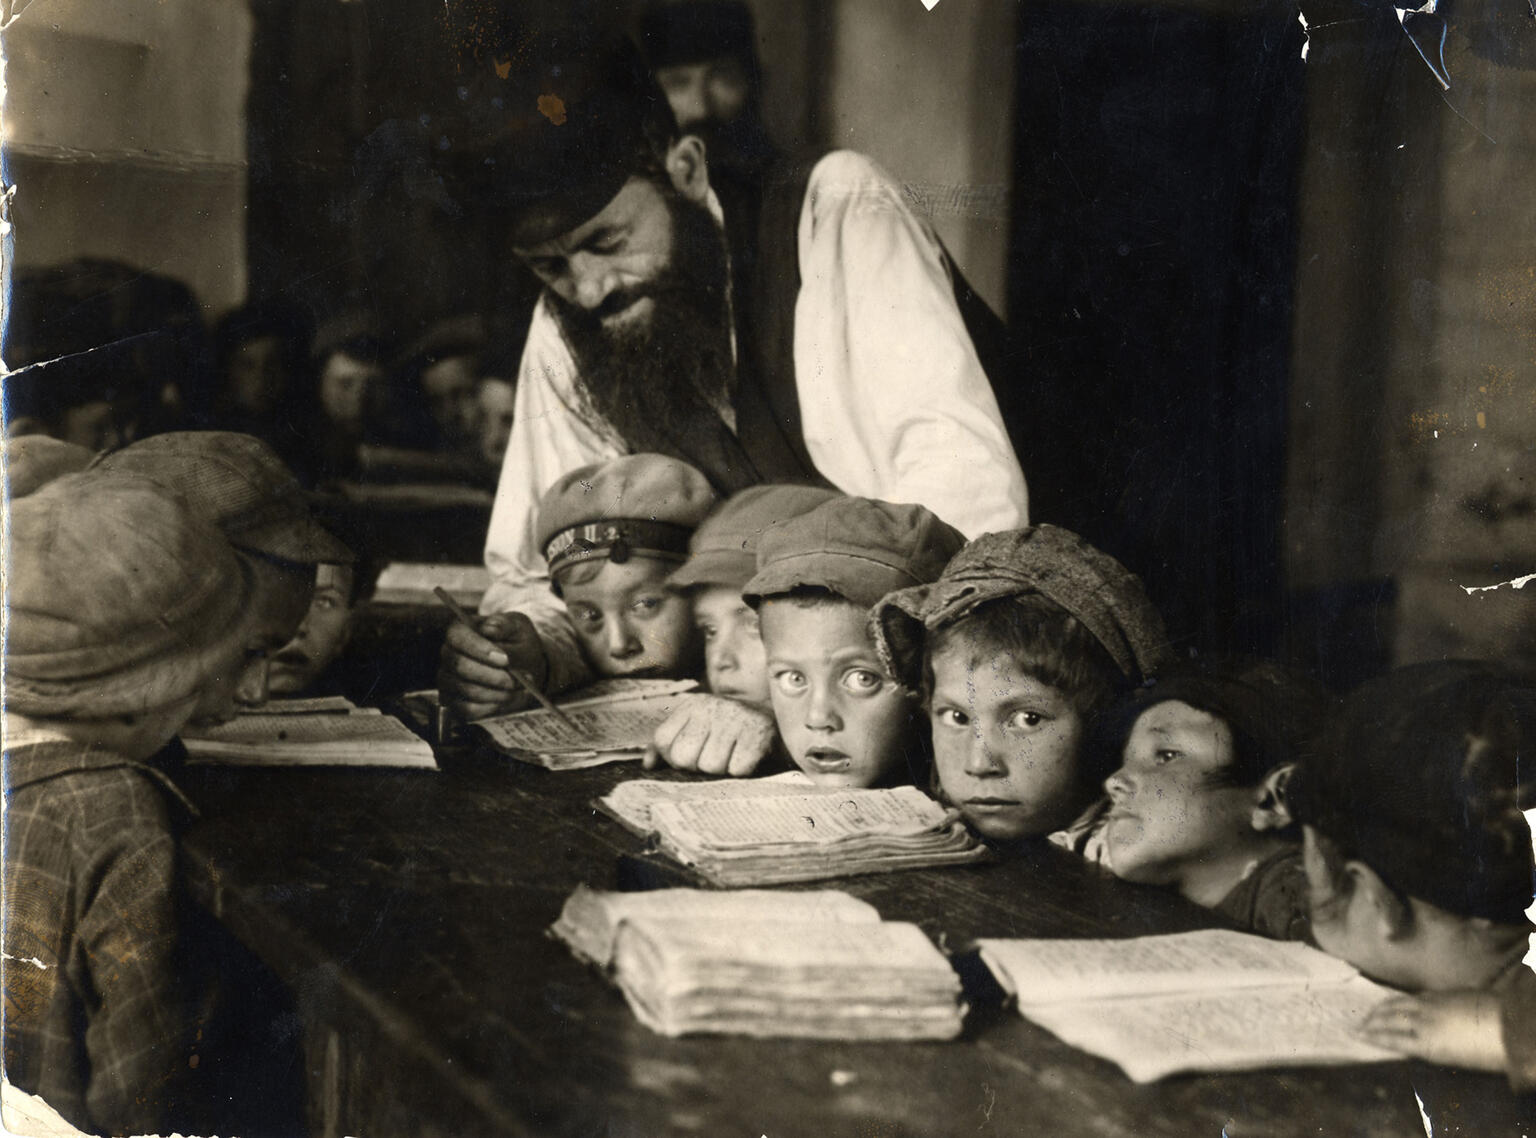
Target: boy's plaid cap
1104,596
1418,775
237,482
638,503
858,548
724,549
122,600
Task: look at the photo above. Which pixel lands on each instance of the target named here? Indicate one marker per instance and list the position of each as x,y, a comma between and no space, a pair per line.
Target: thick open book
1203,1001
630,802
818,965
362,738
614,721
785,832
590,920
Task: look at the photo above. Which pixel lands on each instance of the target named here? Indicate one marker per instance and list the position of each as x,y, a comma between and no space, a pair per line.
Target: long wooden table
407,912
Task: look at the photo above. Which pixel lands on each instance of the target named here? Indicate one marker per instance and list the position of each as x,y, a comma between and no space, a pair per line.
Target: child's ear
1270,811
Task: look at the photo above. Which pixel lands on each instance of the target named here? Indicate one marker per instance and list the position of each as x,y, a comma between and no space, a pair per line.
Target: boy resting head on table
1198,803
1020,643
612,533
1418,858
844,719
127,614
729,731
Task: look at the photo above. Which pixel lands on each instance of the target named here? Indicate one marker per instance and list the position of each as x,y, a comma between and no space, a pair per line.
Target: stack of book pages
1213,1000
817,965
779,832
278,736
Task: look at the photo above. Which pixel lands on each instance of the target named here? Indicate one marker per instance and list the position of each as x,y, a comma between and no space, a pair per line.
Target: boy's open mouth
827,759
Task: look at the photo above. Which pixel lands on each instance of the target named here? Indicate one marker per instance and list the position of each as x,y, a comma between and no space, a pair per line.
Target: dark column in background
1150,292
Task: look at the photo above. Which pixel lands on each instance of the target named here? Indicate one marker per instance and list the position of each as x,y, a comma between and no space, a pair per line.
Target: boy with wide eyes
612,533
1021,642
843,718
1198,803
730,731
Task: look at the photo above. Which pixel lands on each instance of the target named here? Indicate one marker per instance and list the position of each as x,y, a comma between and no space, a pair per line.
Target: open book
1203,1001
811,965
796,833
614,721
316,738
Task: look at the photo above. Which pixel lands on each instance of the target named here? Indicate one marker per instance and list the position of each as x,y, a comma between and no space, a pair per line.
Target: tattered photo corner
1268,273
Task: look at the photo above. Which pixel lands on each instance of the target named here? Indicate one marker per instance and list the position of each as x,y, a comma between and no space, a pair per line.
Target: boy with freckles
1017,647
1198,803
844,719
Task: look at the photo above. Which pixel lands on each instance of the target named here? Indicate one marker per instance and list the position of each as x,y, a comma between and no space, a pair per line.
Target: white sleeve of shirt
893,401
549,438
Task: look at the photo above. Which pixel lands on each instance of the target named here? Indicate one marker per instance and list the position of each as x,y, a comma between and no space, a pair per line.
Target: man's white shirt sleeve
893,401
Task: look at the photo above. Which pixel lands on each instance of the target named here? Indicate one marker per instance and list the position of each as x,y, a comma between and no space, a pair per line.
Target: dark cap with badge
644,505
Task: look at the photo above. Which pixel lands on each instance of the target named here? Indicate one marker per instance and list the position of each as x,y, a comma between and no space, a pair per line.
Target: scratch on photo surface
25,960
1429,1130
1513,583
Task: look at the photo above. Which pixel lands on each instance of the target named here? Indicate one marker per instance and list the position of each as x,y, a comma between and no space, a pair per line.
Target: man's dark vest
762,225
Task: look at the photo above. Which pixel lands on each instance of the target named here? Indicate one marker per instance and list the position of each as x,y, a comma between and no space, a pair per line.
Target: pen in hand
521,680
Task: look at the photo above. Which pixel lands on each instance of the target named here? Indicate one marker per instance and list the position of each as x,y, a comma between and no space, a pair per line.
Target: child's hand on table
472,674
713,735
1454,1029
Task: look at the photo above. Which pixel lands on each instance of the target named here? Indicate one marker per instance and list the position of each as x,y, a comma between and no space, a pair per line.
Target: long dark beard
653,381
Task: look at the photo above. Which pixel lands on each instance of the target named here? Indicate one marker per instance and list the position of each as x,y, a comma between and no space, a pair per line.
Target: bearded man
801,328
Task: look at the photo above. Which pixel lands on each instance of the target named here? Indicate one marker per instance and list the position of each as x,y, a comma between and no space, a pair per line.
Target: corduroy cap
1419,776
724,549
122,600
1104,596
237,482
645,504
858,548
32,461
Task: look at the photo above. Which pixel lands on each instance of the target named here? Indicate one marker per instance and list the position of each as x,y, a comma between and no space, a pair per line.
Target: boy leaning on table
845,720
730,730
126,612
1418,858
